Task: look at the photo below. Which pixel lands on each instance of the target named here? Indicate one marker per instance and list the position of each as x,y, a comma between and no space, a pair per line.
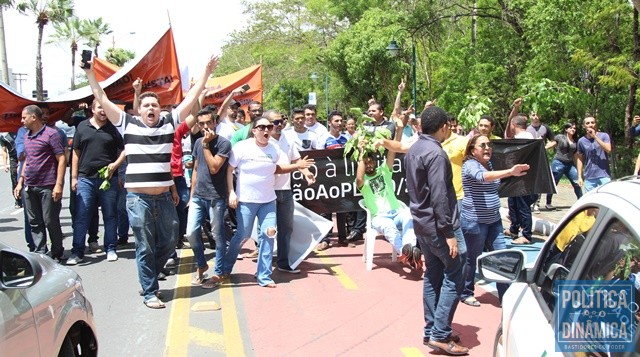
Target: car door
528,308
18,334
613,255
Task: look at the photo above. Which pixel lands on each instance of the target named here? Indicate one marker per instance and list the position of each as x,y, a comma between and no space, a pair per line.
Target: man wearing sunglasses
284,195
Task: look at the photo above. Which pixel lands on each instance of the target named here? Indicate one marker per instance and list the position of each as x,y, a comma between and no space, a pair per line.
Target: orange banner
158,70
220,87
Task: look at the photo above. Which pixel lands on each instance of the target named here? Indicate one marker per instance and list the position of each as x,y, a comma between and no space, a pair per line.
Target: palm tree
3,48
45,11
68,31
93,30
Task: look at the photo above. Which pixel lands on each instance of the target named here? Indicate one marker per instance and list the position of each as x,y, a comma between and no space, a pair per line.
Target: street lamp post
314,77
394,49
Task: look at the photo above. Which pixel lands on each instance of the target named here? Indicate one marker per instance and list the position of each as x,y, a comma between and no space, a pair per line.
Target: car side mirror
17,270
501,266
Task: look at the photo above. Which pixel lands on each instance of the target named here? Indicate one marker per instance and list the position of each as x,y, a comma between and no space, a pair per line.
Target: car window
616,257
16,270
559,257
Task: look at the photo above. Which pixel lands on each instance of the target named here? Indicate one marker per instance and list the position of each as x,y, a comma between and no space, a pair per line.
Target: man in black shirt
97,144
10,160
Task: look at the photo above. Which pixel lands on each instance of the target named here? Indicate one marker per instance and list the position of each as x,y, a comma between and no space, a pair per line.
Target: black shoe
345,243
162,276
354,235
123,240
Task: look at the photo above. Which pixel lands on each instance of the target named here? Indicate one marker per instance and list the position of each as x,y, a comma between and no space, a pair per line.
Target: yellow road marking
205,338
338,272
177,343
205,306
232,337
411,352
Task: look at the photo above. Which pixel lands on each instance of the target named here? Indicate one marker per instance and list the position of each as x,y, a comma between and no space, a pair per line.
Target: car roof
626,188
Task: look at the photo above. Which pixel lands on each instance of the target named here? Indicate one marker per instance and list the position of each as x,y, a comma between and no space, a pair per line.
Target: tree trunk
3,51
636,4
73,68
39,88
633,87
474,23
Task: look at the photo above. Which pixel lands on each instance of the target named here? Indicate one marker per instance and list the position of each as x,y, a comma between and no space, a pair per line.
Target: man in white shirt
304,138
311,121
227,113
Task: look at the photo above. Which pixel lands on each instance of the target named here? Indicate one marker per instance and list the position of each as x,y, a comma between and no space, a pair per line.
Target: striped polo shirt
41,149
148,150
481,202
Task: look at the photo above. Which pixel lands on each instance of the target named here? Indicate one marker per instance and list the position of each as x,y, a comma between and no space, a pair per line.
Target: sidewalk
545,221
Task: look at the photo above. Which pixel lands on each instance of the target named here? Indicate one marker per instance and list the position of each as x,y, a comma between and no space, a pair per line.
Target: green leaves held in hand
366,134
104,174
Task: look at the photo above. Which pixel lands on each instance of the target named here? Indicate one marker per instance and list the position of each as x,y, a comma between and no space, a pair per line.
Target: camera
86,57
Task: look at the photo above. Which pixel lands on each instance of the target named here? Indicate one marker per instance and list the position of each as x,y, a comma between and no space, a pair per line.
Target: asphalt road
334,307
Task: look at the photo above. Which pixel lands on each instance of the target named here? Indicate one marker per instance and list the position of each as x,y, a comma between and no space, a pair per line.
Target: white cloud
200,29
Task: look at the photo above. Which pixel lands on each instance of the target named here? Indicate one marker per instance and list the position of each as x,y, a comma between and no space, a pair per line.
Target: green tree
119,56
44,11
93,31
68,32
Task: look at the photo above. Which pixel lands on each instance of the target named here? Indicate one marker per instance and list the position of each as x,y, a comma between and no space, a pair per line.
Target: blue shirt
596,160
481,202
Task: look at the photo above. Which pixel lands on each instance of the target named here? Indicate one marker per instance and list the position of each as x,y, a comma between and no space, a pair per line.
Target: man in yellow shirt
455,145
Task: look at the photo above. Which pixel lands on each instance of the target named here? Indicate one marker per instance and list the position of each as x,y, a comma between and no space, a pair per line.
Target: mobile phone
245,87
86,57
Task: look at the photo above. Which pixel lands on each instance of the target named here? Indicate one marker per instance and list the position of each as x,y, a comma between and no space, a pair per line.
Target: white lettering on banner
346,189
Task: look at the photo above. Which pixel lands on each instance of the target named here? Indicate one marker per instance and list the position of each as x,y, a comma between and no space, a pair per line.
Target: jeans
520,214
360,224
341,223
284,210
480,237
183,193
43,213
123,219
397,227
558,169
443,283
94,223
199,210
88,195
154,223
590,184
246,214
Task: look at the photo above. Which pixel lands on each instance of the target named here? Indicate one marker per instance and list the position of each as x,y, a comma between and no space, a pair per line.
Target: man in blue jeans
96,132
152,195
208,195
437,227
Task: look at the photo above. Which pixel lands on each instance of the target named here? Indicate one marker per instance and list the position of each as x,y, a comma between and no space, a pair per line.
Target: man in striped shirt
152,195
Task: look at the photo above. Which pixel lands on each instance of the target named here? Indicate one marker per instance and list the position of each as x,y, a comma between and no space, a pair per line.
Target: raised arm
185,106
137,89
396,104
391,155
111,110
222,111
508,131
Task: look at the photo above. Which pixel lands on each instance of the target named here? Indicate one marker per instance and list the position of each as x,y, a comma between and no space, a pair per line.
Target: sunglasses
264,127
278,122
485,145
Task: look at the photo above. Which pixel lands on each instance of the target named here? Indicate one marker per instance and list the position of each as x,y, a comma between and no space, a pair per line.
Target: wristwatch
205,145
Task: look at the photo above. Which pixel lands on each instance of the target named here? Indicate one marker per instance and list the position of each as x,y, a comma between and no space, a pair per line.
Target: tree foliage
566,58
119,56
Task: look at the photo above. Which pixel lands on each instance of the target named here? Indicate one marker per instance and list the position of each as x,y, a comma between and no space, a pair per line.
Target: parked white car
598,239
43,308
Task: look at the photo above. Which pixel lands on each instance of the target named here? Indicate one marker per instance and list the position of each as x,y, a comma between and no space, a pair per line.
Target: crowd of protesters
170,173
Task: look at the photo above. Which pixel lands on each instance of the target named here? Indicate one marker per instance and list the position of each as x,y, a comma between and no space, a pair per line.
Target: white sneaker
112,256
94,247
536,208
74,259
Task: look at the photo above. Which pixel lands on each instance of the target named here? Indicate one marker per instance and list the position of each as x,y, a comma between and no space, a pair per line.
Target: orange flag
220,87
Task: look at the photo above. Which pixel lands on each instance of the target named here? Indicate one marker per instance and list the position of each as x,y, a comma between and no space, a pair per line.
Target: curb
539,225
